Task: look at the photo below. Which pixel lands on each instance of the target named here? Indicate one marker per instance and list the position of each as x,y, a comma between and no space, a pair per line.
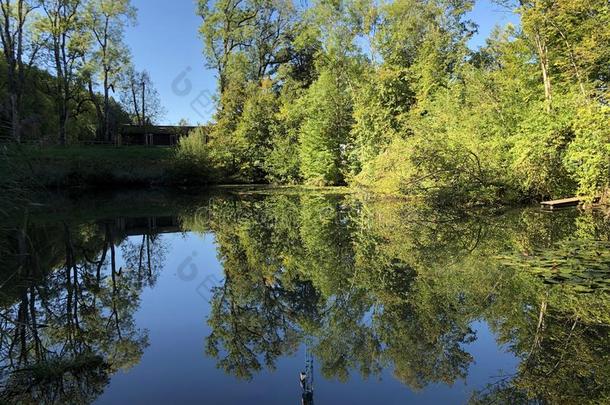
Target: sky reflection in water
215,299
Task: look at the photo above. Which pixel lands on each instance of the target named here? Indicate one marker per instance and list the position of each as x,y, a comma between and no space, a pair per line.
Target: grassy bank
82,166
26,170
34,169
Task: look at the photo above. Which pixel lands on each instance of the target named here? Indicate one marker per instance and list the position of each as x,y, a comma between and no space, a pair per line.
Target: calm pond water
148,297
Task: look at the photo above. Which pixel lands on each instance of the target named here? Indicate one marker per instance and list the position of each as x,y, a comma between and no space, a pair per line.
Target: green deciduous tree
68,43
390,96
107,19
19,50
325,130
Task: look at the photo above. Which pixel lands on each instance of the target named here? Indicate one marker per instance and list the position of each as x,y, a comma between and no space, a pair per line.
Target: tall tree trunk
136,108
573,60
66,90
15,118
11,34
107,137
63,118
60,91
543,56
64,113
98,111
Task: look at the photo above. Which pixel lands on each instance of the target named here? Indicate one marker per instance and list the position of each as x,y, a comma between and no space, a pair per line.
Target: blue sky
165,42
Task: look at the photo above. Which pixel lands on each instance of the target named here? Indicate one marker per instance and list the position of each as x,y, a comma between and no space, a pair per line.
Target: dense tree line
389,96
62,62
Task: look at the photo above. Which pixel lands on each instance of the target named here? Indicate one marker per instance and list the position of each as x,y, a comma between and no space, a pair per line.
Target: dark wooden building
152,134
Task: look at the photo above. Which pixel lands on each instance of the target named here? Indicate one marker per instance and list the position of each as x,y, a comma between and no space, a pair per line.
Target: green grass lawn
89,152
85,165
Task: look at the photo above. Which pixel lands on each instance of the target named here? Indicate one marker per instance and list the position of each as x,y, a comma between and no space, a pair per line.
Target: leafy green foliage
386,96
381,104
538,152
192,158
56,55
389,97
325,130
588,157
253,134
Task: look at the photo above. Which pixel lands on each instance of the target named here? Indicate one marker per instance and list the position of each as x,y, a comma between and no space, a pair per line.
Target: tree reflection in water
368,285
383,284
67,312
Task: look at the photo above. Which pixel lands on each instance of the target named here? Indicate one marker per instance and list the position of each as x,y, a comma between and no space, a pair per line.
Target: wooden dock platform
564,203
